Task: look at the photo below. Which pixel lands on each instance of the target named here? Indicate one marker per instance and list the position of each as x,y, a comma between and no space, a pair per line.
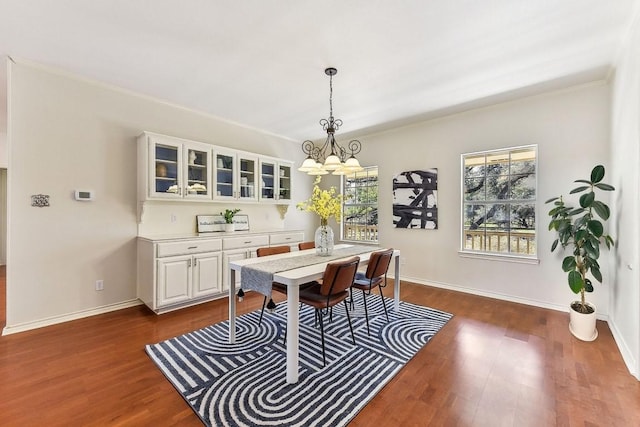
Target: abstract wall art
415,199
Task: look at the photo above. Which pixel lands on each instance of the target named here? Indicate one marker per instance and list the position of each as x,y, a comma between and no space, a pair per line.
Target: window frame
343,179
493,255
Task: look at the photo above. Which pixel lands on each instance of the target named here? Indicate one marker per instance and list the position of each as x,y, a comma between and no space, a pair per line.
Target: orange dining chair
336,282
306,245
375,275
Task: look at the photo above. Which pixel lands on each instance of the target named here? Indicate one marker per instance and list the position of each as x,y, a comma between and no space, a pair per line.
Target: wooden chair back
273,250
379,263
338,276
306,245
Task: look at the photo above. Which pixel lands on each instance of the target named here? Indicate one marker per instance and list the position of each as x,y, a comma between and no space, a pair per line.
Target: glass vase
324,240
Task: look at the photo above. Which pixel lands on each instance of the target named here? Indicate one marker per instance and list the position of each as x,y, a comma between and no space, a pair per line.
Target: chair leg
349,319
324,358
264,303
384,304
366,313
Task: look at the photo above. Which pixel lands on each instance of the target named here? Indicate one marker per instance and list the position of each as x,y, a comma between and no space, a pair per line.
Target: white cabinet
275,180
173,169
176,273
179,273
236,175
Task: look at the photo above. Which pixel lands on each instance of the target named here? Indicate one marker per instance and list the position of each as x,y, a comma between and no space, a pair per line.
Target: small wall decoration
40,200
415,199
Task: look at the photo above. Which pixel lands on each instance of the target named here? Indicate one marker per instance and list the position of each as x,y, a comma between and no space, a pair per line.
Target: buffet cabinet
178,272
171,168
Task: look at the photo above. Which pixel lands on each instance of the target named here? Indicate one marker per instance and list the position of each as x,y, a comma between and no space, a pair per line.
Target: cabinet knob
246,243
192,247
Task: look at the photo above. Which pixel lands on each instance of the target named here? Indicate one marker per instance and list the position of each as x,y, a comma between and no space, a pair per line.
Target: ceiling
260,63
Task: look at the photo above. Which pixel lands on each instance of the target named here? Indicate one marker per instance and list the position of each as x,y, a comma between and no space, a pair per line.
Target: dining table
293,269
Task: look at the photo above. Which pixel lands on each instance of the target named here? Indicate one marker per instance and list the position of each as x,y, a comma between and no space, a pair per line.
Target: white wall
67,134
571,128
625,302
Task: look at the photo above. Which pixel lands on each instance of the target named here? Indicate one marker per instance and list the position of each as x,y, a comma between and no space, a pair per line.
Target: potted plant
228,215
326,204
581,229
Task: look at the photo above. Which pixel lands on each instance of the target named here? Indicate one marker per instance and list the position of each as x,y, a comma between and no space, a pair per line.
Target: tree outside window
499,199
360,206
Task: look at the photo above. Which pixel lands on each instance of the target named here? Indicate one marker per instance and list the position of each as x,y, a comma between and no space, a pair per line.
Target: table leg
396,285
293,333
232,306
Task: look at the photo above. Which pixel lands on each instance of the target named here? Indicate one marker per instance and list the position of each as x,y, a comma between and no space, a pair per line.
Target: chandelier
331,157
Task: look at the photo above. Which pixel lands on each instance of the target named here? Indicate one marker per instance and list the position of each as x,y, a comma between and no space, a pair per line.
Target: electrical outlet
99,285
174,218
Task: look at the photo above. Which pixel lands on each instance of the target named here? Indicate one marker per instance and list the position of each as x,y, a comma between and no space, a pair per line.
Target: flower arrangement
325,203
228,215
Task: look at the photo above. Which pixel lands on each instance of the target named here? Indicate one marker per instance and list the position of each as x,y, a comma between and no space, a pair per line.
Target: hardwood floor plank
495,363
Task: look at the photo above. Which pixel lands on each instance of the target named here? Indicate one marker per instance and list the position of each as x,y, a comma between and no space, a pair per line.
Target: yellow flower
325,203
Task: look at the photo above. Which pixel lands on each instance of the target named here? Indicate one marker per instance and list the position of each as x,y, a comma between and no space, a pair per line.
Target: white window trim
363,242
498,256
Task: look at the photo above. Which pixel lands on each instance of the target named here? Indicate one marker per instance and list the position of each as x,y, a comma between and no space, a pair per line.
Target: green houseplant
581,230
228,215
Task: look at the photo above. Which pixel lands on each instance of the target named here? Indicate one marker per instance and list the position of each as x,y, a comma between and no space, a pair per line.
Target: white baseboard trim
27,326
495,295
627,354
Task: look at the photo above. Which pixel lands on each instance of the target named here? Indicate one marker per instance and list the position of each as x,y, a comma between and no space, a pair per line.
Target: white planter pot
583,326
229,227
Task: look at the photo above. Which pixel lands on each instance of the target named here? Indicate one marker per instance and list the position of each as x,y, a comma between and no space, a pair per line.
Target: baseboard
627,354
27,326
495,295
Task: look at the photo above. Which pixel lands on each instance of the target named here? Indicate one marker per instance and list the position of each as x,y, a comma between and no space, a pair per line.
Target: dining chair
275,286
375,275
306,245
336,282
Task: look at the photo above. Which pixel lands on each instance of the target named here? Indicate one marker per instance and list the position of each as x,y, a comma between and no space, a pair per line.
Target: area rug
244,384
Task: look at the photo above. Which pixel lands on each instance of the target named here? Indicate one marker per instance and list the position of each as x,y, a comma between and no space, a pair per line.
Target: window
499,201
360,206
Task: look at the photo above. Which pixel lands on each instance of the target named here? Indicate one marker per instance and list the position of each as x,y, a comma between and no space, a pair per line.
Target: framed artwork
415,199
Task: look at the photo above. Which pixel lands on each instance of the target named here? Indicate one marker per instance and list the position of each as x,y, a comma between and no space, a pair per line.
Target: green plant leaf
605,187
591,250
579,189
587,199
575,211
580,235
595,227
575,281
554,245
595,272
552,199
568,263
601,209
583,181
597,174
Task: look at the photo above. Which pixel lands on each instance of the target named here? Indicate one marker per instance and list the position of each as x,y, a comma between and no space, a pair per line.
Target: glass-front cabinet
275,180
179,169
235,175
172,168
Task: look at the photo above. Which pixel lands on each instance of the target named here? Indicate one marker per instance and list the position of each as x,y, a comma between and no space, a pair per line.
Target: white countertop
214,234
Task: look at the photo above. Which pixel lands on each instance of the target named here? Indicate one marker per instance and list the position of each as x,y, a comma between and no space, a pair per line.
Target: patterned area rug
244,384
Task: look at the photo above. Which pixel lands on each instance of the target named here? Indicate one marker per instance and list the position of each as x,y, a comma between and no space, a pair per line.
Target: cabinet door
233,255
268,180
165,168
197,171
207,274
225,175
248,177
173,280
284,182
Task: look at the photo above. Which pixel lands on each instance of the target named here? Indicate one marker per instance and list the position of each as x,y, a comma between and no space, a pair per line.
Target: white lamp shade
317,171
353,165
332,162
340,171
307,165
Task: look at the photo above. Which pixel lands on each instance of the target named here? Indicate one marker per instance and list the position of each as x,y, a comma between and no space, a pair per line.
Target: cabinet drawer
188,247
244,242
285,238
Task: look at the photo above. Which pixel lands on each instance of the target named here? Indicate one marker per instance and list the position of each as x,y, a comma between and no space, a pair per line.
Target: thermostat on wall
84,195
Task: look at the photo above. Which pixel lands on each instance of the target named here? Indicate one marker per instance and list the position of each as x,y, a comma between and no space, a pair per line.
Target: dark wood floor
494,364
